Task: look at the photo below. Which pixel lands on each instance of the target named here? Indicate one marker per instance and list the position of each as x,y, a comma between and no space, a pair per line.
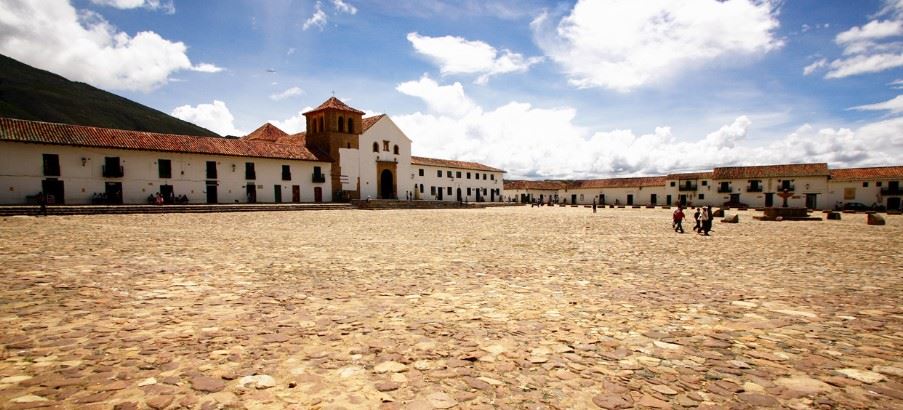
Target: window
449,174
701,196
375,146
164,168
322,125
318,176
865,184
468,177
672,183
458,174
111,167
878,184
350,125
211,169
421,172
249,171
286,173
439,173
704,183
449,190
51,165
432,190
492,177
421,188
385,145
341,124
484,177
484,191
468,191
395,149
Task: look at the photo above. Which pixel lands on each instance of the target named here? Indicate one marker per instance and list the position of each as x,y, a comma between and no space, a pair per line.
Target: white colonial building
813,186
341,156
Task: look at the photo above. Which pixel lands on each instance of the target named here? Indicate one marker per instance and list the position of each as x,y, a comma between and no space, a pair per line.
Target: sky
542,89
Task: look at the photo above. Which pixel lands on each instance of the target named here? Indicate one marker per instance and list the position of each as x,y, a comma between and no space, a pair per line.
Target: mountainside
29,93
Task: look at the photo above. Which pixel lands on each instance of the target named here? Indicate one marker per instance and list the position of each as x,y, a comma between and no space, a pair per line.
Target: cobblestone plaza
492,308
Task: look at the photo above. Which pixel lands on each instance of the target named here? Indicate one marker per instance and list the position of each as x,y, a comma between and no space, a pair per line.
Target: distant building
814,186
341,156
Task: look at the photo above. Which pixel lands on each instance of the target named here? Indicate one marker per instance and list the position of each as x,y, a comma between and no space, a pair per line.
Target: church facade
342,155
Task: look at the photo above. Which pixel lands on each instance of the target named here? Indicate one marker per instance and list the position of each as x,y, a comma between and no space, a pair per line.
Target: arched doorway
386,185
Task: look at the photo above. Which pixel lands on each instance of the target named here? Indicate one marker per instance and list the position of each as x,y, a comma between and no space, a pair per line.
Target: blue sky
542,89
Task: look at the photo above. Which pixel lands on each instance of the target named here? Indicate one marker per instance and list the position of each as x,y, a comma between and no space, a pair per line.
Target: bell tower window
375,147
322,125
350,125
341,124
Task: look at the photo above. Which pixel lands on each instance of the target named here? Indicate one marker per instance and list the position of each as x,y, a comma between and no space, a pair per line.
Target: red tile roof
861,174
370,121
622,182
336,104
77,135
538,185
434,162
690,175
771,171
266,132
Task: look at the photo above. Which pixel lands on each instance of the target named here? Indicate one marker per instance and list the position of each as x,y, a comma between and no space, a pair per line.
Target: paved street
494,308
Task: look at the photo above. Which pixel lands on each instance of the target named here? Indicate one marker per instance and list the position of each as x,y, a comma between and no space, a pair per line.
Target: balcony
250,175
891,191
751,188
786,187
318,178
113,171
687,187
725,190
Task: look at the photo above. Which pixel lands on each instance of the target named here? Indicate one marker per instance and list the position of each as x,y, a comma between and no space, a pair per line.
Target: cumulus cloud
815,66
870,48
318,19
294,124
82,46
546,142
206,68
456,55
291,92
624,44
215,117
165,6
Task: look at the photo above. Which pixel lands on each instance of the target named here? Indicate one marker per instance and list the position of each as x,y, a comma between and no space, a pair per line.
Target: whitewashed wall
21,170
430,179
384,130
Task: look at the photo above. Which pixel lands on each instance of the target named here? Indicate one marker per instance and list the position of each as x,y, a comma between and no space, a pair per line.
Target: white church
341,156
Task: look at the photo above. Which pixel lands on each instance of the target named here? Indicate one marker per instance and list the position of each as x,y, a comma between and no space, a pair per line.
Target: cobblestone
507,307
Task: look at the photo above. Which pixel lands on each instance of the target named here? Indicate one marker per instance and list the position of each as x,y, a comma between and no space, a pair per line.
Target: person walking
704,222
707,227
697,227
678,220
594,205
42,200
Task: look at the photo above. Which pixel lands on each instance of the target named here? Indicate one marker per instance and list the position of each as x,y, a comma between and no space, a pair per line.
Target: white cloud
894,106
441,99
166,6
622,45
293,124
456,55
318,19
206,68
538,142
82,46
343,7
871,48
216,117
815,66
291,92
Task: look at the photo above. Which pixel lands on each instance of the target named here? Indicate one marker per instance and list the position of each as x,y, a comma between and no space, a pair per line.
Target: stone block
731,219
719,213
875,219
834,216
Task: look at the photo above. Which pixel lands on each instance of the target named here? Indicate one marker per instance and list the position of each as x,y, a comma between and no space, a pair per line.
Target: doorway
212,196
167,192
683,200
114,192
53,191
811,201
573,198
318,194
251,193
893,204
601,199
386,185
769,199
668,200
629,199
492,195
735,199
459,195
653,199
296,193
277,193
440,192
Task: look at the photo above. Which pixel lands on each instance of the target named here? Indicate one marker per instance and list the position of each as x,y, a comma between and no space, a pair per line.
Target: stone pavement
493,308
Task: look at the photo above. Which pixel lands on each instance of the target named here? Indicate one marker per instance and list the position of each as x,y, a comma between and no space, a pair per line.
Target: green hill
29,93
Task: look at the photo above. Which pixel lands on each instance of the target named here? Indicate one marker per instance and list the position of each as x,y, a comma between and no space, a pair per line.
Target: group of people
703,217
